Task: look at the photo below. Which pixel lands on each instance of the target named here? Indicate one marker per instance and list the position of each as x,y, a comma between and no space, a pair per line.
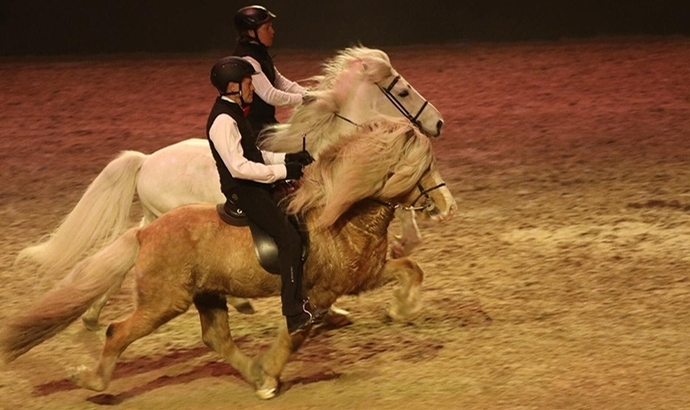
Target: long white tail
70,298
100,216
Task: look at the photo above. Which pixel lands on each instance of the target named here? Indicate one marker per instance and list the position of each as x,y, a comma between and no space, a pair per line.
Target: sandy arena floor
562,283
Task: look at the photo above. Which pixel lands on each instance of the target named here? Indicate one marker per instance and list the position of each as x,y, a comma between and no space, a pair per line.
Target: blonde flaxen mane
316,119
383,160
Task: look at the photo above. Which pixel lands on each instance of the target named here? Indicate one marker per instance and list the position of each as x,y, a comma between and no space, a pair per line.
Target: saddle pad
264,246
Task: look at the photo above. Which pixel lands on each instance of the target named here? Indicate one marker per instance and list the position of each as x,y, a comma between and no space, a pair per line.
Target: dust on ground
561,283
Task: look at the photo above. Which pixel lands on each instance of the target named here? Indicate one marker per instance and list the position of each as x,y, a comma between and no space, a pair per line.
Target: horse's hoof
267,389
336,320
86,379
399,314
90,323
338,311
245,308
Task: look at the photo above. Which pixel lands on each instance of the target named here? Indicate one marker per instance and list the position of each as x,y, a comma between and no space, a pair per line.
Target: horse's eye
404,93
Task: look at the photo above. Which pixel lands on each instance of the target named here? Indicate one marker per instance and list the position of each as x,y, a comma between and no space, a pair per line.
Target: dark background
31,27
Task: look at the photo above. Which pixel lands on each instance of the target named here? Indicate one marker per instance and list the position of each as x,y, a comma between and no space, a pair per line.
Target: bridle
428,205
414,119
397,104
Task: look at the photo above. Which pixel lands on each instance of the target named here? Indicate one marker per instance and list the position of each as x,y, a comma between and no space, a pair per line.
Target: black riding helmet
251,18
230,70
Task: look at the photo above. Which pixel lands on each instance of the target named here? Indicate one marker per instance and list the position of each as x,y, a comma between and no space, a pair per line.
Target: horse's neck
357,105
330,134
353,110
367,218
354,249
348,107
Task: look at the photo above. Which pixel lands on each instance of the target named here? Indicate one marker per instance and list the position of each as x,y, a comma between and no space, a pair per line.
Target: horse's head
431,196
386,159
413,181
356,85
367,85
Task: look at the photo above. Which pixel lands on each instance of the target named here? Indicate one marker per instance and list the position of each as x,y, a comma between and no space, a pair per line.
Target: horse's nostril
439,125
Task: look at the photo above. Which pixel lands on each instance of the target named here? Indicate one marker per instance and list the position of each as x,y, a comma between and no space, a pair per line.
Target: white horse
356,85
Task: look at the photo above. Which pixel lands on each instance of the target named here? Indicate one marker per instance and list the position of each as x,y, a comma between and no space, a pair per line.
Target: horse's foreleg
336,317
407,297
410,238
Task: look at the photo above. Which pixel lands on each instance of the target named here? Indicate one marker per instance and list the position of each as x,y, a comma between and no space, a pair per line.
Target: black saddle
265,247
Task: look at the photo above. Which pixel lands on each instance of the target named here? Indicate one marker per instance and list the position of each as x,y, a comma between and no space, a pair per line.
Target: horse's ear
365,65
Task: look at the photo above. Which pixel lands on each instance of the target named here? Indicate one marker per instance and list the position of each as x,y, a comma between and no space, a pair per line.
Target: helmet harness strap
243,103
256,36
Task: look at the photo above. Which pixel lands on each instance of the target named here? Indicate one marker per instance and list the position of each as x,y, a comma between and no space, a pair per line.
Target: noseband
414,119
397,104
427,205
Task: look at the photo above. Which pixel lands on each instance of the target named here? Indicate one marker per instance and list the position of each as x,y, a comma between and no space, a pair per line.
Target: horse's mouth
438,215
432,134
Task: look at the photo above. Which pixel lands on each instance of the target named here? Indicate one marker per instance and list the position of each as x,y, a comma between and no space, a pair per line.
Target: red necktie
245,110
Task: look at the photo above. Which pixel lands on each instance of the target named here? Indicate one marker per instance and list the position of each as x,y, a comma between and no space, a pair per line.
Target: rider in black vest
246,174
254,26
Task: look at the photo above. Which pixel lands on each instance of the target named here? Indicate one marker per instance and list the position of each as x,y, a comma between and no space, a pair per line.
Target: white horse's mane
384,159
316,119
376,66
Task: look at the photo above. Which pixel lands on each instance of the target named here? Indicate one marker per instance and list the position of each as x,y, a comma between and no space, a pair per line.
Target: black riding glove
294,170
303,157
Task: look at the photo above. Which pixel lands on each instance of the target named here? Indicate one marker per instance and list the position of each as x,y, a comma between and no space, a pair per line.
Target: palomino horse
189,255
357,84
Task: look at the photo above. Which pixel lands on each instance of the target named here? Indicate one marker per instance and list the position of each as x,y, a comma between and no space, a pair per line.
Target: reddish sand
562,282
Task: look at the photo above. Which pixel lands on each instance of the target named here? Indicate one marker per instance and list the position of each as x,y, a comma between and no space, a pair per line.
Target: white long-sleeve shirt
284,93
226,138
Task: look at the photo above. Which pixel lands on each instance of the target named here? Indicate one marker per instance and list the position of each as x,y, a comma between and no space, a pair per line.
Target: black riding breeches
259,206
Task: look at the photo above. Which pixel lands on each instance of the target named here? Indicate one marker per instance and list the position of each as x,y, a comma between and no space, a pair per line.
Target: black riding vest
227,182
261,113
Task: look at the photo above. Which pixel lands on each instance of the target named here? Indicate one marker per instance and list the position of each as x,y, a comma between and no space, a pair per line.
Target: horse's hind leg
90,317
215,332
270,364
406,298
148,316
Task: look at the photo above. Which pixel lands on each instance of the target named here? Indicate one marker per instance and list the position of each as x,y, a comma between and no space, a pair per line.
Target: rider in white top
246,173
285,92
254,25
226,137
